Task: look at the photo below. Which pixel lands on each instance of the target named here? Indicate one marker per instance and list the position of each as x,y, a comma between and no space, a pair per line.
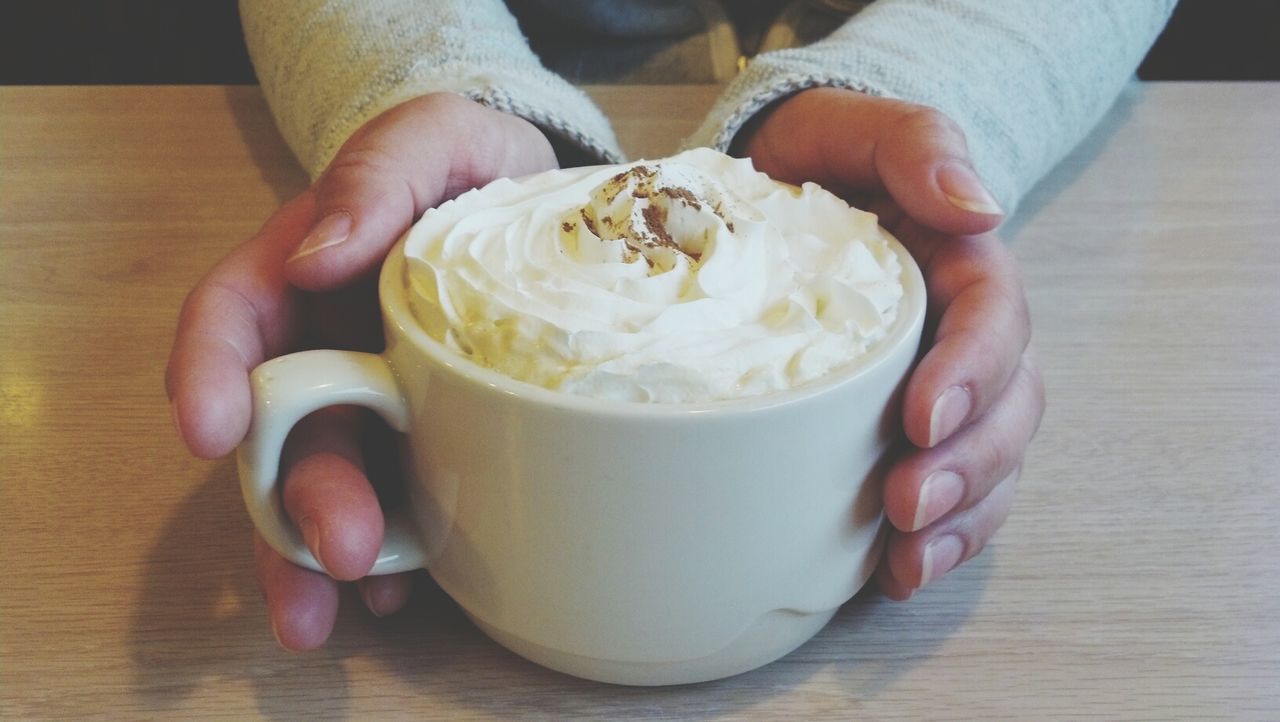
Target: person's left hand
975,399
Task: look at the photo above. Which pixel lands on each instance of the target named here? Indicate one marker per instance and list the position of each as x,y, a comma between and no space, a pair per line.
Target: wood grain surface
1136,579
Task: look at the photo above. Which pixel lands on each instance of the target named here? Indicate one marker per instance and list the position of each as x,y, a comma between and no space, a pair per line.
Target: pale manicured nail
329,232
940,556
939,494
311,533
964,191
949,411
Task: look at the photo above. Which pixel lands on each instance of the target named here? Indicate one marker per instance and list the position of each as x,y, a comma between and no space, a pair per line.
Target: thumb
362,206
396,166
923,162
863,144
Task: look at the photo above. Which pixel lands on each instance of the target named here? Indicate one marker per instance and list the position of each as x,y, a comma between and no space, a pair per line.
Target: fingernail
940,556
311,534
963,189
330,231
369,602
939,494
949,411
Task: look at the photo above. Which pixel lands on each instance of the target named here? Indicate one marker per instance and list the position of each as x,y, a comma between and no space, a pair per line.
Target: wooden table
1138,576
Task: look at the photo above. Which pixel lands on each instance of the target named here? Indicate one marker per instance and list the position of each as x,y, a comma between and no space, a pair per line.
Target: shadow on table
1070,169
199,621
271,156
199,624
869,644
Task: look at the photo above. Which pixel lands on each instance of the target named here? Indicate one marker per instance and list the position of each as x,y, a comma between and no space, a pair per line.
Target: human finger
386,594
914,559
927,484
302,605
327,495
983,325
241,313
923,161
855,143
396,166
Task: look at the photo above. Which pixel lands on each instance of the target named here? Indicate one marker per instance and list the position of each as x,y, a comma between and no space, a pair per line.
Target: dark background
53,42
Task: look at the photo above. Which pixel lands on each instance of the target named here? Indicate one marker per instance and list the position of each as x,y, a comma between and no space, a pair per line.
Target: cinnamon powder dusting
684,195
652,232
656,224
588,221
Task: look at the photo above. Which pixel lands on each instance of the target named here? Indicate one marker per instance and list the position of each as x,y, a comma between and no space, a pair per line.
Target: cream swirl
690,279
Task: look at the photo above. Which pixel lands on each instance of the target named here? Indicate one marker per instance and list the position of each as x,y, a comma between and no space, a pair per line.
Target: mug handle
287,388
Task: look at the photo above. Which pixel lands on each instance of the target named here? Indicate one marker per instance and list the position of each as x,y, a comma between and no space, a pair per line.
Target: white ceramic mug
624,542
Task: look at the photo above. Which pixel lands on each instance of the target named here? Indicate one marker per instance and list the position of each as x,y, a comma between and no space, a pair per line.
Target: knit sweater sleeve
1025,80
328,66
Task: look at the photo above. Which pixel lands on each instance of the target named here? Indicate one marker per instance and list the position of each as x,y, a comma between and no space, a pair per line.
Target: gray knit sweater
1025,79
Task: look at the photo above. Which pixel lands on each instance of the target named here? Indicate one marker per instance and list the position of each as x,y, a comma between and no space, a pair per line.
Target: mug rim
397,315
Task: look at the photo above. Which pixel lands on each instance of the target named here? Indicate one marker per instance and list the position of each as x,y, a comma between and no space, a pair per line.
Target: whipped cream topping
689,279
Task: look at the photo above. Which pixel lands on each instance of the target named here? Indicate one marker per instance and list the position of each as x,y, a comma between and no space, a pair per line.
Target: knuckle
992,254
979,532
985,349
1037,395
1000,455
1013,298
925,120
978,525
363,176
358,162
973,546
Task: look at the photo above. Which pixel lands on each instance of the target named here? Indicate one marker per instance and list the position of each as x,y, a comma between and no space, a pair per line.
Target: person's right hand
308,279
